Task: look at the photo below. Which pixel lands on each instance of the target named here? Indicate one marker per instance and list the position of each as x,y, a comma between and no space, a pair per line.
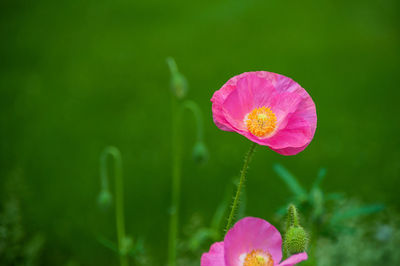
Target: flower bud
200,152
296,240
179,85
105,199
178,81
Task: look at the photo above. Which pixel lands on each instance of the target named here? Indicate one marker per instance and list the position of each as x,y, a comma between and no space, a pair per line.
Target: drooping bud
296,240
179,84
105,199
200,152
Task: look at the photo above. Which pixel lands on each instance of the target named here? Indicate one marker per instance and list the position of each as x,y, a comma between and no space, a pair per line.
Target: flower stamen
261,121
258,258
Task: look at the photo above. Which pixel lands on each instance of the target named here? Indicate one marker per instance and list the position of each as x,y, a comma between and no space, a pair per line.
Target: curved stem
192,106
103,172
241,183
119,196
179,85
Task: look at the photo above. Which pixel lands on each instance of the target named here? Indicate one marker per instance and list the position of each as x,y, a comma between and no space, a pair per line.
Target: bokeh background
76,76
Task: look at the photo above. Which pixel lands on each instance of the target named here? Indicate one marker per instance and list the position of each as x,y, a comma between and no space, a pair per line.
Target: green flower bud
105,199
179,85
200,152
178,81
296,240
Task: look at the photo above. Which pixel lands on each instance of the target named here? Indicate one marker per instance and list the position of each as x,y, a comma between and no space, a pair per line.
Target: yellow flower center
261,121
258,258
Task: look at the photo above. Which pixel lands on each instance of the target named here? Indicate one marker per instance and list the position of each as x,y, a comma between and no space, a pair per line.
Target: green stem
241,183
103,171
119,199
176,183
192,106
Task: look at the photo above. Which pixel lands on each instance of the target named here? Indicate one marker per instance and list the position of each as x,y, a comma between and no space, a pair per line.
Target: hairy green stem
292,218
119,197
240,186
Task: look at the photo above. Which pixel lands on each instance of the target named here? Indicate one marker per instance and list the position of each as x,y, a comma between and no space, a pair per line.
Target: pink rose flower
268,109
251,242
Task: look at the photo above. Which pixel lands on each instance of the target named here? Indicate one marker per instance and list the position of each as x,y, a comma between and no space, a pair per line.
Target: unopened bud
179,85
200,152
178,81
296,240
105,199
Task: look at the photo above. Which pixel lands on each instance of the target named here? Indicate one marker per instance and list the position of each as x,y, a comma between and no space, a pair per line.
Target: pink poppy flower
268,109
251,242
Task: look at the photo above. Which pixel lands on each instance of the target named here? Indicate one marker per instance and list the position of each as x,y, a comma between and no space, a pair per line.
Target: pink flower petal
218,99
250,234
290,150
251,92
221,95
215,257
297,134
293,107
294,259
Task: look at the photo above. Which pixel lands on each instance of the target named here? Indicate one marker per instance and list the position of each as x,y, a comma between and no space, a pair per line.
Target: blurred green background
76,76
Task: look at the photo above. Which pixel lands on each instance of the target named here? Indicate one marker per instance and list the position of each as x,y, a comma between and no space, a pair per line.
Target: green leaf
317,199
334,196
199,237
290,181
107,243
282,210
138,248
320,177
355,212
221,210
